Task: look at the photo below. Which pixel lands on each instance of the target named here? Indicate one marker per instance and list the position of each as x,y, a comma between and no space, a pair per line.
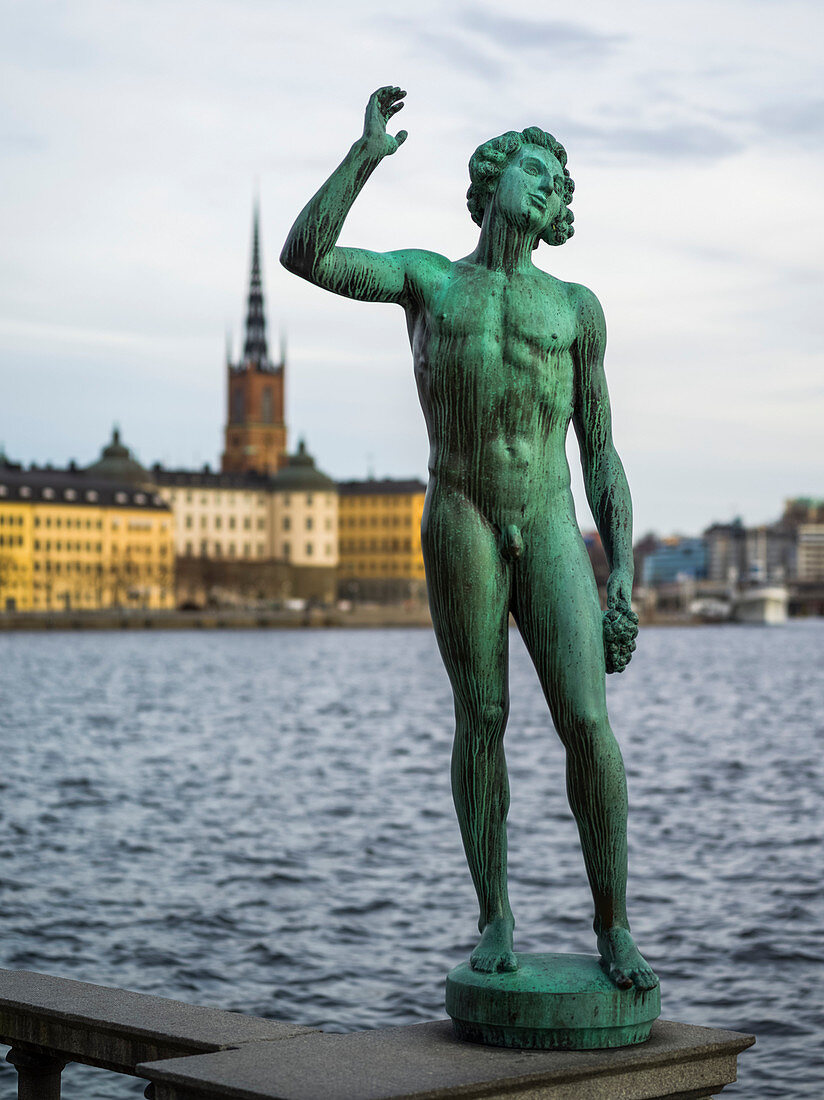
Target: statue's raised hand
620,624
382,104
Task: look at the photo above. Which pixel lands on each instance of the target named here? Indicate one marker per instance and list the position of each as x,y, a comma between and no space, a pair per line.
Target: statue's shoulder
425,271
586,305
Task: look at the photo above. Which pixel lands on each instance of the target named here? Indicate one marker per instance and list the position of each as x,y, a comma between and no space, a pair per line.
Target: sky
134,137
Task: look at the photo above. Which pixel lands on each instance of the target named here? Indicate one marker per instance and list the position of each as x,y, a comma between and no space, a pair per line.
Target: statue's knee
587,730
493,717
485,719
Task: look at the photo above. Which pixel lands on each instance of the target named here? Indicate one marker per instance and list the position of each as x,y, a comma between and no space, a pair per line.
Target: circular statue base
552,1002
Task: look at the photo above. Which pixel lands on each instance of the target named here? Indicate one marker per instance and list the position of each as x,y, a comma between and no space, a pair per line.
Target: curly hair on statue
490,159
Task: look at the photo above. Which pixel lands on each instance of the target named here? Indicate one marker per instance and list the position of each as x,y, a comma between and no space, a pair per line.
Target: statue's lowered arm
605,482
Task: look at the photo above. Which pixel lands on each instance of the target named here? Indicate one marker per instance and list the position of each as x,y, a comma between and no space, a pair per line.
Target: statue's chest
516,320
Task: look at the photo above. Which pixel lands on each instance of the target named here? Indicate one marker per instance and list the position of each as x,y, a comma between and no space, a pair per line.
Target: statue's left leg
559,616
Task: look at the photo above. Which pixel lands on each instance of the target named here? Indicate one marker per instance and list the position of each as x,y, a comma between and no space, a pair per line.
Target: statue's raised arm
311,249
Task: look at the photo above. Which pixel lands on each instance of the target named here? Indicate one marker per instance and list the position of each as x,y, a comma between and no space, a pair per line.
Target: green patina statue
505,357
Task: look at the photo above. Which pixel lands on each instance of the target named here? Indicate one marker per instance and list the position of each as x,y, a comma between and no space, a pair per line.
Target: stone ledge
115,1028
426,1062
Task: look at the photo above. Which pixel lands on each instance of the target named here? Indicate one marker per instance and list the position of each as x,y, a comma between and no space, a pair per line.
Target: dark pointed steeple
255,349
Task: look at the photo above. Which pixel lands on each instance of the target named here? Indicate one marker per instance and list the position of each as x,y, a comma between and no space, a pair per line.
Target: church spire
255,348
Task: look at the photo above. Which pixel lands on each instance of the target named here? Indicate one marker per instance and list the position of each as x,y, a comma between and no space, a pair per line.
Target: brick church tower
255,435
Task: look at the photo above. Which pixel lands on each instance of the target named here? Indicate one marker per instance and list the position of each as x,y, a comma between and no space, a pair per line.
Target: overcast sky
135,134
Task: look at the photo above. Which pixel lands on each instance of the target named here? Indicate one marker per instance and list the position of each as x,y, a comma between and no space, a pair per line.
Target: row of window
392,546
390,501
11,540
309,523
127,568
12,521
91,547
216,498
217,523
68,521
232,550
374,521
368,567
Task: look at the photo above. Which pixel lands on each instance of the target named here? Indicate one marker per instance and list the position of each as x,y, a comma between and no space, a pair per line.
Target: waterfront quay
187,1052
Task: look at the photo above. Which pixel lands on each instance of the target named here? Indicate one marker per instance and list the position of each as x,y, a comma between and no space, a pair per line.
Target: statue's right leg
469,598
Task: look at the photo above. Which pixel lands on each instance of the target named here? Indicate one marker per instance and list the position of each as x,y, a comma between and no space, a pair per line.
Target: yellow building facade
71,542
380,537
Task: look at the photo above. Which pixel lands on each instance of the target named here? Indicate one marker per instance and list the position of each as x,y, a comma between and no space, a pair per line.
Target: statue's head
488,162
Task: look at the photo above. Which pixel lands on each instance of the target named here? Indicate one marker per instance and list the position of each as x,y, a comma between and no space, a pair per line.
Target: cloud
559,36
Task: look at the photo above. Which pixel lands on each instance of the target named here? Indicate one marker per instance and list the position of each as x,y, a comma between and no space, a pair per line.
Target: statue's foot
494,951
623,962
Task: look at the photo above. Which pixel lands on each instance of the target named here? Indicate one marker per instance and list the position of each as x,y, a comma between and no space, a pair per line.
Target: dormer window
140,498
70,494
48,494
25,491
91,495
121,498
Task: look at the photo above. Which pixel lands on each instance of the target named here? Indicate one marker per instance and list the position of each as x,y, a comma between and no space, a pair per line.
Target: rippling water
262,821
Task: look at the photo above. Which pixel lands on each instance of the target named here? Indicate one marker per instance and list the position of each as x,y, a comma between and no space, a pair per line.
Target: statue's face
530,189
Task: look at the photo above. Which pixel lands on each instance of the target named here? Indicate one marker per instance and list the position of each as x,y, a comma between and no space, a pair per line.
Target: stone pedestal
552,1002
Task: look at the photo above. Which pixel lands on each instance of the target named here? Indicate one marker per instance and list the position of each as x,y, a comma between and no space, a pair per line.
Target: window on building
309,523
309,549
247,523
261,550
188,549
232,523
308,498
287,550
203,523
287,523
189,521
267,414
247,550
237,406
231,550
261,524
218,549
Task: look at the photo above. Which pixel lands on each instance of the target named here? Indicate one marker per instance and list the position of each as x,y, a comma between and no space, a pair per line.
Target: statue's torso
495,374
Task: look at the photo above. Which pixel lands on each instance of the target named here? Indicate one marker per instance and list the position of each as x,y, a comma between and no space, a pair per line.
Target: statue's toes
645,979
508,963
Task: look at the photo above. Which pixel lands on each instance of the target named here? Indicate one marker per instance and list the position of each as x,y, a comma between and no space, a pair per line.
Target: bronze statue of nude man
505,357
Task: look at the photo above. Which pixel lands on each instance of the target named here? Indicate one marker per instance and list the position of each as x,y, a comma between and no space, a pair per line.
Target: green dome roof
116,463
300,473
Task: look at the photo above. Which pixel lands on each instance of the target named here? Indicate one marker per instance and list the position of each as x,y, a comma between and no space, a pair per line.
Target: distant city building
380,542
743,555
804,516
117,463
255,433
676,559
726,551
73,541
251,536
810,552
304,513
803,510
